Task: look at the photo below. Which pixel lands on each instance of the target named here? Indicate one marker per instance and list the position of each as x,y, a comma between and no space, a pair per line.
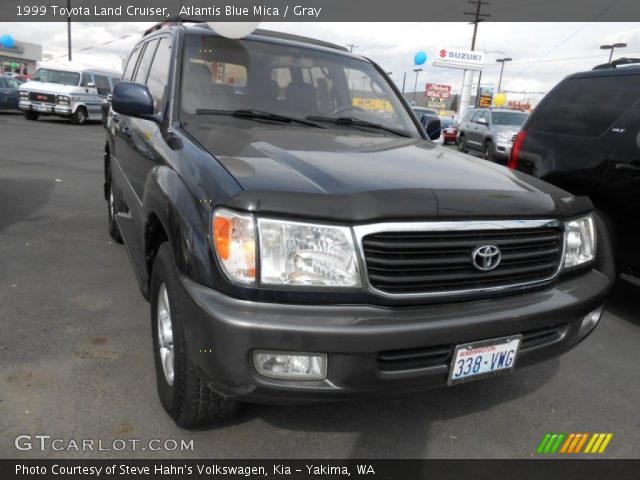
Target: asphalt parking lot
77,362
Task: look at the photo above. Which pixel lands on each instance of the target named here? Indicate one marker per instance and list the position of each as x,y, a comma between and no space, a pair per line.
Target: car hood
350,174
46,87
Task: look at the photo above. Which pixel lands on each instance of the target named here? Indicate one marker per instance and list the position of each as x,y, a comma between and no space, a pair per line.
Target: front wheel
184,392
462,144
113,207
79,117
487,153
33,116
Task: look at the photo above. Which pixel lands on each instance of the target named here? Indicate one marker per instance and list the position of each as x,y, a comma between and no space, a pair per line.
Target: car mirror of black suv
133,100
433,129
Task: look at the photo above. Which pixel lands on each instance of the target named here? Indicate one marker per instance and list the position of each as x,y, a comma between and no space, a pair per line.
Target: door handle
127,131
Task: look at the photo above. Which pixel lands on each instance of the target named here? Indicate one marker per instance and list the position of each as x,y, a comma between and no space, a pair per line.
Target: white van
68,91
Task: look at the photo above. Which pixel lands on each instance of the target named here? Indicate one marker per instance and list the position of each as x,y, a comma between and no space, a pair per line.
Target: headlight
293,253
234,239
580,241
504,137
63,99
24,95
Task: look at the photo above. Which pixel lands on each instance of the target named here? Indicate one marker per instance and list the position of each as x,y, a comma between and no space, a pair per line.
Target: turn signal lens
234,240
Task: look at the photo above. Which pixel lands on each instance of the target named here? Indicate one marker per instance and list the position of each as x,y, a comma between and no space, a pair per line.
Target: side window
131,64
86,80
159,73
586,107
3,83
102,85
145,62
487,116
476,116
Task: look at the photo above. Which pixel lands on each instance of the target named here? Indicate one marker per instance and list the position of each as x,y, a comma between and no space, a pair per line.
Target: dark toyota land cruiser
299,237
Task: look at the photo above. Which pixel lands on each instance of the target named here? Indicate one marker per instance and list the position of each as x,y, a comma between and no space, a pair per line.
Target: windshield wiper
258,115
357,122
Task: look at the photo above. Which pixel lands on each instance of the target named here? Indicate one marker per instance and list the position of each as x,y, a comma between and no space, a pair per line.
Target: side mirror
91,84
433,129
482,121
133,100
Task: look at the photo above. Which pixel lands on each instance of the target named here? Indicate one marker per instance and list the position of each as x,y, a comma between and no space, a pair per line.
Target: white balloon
234,29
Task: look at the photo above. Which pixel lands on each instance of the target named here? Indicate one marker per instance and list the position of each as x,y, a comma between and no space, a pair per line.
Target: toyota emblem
486,257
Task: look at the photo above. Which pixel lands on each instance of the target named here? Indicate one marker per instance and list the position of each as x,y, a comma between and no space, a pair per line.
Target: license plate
486,358
42,108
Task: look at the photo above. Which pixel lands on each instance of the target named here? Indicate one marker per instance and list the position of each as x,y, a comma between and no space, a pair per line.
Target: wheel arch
171,215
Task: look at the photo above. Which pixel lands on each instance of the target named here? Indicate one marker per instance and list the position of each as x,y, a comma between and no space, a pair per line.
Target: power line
582,27
351,47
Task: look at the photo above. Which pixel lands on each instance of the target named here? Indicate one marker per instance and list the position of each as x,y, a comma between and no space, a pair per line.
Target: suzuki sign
455,58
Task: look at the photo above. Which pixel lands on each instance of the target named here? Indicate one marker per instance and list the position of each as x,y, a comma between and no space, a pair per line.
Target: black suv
584,137
299,237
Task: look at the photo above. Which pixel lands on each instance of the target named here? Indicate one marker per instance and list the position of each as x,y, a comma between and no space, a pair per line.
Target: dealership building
20,56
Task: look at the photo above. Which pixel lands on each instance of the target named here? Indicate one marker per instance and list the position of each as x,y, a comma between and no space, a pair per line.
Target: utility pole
467,80
351,47
404,79
69,30
417,70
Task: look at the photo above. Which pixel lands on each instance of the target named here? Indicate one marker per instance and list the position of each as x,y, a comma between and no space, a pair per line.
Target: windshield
57,76
447,122
509,118
228,75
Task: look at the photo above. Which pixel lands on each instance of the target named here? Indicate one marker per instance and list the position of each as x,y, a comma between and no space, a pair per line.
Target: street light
417,70
502,61
612,48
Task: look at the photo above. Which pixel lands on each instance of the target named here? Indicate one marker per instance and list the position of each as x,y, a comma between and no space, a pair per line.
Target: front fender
185,222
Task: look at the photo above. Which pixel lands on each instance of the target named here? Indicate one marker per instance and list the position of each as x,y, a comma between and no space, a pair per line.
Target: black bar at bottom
534,469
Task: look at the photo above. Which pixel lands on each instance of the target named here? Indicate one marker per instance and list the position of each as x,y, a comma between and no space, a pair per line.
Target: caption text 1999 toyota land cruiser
300,238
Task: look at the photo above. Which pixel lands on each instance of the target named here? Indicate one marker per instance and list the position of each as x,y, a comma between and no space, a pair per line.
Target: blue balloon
6,41
420,58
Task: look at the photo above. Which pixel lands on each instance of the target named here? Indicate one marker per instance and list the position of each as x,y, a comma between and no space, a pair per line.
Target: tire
605,251
33,116
79,117
185,394
114,205
462,144
487,151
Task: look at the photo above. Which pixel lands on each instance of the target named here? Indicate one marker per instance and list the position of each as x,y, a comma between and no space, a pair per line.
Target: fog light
291,365
590,320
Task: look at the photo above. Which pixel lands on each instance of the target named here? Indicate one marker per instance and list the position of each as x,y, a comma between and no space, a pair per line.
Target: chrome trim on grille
361,231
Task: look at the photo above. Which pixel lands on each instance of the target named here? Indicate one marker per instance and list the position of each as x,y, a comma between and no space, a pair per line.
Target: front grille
513,138
441,355
425,262
42,97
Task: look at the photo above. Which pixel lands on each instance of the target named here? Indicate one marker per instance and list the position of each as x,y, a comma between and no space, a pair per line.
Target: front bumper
44,108
222,332
502,150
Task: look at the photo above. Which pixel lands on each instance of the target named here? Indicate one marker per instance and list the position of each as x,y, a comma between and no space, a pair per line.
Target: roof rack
170,21
617,63
263,33
299,38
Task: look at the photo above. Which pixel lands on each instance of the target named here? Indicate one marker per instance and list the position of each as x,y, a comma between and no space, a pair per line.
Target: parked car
295,247
584,137
68,90
8,93
490,131
430,121
449,130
